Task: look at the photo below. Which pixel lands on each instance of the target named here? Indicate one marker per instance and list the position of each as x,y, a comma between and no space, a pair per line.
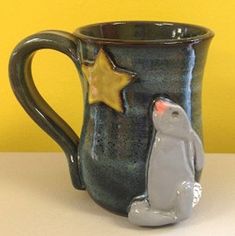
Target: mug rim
206,33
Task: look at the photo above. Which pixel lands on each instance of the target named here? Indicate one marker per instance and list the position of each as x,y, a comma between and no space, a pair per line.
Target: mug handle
38,109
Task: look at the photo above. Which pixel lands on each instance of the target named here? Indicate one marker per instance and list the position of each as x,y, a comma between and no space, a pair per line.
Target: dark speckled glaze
109,161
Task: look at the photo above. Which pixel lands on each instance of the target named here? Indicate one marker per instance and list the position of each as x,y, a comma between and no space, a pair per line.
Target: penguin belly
170,165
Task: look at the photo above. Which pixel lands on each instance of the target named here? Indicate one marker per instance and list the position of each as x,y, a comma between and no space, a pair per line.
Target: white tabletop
37,198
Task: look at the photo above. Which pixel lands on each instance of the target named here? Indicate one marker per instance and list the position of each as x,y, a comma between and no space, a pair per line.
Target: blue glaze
116,145
188,79
109,158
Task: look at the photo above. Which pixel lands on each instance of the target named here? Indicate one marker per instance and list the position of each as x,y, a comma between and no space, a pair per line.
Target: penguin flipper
198,155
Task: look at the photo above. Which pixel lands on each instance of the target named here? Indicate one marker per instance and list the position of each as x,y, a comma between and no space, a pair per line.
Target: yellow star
106,82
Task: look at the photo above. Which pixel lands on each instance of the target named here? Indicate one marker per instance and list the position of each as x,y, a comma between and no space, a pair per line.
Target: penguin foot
141,214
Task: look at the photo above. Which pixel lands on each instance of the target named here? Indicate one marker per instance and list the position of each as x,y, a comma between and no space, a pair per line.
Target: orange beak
160,107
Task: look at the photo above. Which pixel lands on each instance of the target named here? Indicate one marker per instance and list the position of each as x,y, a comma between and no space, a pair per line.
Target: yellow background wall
57,79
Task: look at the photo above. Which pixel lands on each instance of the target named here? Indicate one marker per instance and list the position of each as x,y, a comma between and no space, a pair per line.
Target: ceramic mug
123,67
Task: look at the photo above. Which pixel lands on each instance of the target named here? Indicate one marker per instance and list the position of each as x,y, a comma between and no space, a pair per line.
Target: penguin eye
175,114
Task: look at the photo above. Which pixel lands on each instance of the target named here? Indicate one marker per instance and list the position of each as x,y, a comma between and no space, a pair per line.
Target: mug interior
143,31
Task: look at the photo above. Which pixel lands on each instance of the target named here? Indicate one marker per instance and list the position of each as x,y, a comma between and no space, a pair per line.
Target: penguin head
170,118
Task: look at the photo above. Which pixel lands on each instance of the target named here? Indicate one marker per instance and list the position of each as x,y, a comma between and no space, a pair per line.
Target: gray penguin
172,171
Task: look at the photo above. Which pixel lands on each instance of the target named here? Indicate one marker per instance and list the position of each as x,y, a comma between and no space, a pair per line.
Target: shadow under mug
123,67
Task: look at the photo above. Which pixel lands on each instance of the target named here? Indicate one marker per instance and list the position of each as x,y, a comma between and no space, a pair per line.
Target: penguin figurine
172,171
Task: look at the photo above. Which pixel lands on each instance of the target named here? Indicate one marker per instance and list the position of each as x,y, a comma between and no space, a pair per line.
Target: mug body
161,59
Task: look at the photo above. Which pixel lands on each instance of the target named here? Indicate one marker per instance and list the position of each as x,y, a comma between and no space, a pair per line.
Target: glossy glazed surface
142,32
110,159
114,146
172,169
106,82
